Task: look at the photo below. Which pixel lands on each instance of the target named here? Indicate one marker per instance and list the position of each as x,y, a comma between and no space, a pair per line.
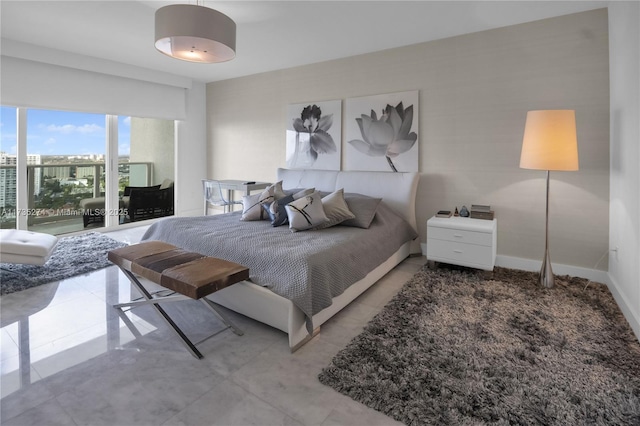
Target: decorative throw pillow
363,207
336,209
252,204
252,207
306,212
276,211
278,192
303,193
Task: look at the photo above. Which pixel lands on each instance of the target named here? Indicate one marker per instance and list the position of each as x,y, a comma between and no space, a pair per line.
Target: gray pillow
363,207
303,193
336,209
299,192
306,212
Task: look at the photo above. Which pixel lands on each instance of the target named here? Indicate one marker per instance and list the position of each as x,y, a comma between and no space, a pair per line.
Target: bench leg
190,346
225,319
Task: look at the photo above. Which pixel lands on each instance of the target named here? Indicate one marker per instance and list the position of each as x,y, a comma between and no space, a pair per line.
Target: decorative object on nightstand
462,241
481,212
549,143
456,213
464,212
443,213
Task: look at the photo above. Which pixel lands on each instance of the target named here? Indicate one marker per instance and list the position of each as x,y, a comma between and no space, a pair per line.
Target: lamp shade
550,141
195,33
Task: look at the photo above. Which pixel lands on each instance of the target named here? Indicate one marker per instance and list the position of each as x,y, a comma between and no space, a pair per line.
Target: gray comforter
309,268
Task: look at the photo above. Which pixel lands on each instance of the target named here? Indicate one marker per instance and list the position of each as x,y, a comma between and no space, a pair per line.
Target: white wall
475,91
191,153
624,58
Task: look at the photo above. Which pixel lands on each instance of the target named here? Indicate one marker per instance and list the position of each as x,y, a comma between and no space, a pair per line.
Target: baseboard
595,275
534,265
558,268
632,317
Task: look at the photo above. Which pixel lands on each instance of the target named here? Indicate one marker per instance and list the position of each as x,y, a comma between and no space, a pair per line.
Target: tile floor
68,358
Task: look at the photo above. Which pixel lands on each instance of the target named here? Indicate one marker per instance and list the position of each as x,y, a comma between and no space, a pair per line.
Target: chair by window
216,196
149,202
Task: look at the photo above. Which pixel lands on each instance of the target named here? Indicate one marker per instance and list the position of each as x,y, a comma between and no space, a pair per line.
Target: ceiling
270,34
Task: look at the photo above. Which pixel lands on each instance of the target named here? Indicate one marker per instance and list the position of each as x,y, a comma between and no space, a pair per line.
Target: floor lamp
549,143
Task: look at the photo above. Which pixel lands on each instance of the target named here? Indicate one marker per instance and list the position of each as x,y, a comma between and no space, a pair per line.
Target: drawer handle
457,235
458,251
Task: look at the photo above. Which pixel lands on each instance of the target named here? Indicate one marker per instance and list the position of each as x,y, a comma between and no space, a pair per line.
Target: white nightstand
462,241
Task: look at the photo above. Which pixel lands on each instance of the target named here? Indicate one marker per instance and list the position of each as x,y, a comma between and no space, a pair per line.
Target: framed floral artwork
382,132
314,135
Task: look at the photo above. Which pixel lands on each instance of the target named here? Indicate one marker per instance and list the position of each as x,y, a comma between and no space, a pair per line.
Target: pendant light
195,33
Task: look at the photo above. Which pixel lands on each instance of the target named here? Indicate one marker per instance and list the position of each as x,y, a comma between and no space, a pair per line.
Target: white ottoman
33,248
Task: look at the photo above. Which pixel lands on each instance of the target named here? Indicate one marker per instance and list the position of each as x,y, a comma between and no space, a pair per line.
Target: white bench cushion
18,246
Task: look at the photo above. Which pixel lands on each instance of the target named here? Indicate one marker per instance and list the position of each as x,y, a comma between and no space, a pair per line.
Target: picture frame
382,132
314,135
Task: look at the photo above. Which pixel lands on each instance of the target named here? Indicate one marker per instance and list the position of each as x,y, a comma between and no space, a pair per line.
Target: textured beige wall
475,91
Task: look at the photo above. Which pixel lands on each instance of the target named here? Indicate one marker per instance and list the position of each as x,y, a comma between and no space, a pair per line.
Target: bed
300,280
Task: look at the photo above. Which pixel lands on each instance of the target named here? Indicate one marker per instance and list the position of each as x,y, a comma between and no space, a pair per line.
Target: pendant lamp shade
195,33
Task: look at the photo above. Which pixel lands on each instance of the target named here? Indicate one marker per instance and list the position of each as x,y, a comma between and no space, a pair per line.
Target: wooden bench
192,275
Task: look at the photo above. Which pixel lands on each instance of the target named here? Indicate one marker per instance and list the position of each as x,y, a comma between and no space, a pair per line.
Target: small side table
240,185
231,186
462,241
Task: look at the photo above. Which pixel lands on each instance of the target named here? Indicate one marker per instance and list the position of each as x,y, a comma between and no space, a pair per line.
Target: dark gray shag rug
455,348
72,256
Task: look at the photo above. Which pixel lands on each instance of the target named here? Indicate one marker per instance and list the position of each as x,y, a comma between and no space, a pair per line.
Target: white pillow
252,204
278,192
306,212
336,209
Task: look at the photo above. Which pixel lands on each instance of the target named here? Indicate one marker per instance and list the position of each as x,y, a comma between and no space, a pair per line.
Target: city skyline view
65,163
62,132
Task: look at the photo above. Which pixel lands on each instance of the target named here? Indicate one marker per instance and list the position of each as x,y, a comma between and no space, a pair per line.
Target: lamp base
546,273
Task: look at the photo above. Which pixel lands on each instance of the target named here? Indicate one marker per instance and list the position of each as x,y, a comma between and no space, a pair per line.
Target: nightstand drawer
472,255
462,241
461,236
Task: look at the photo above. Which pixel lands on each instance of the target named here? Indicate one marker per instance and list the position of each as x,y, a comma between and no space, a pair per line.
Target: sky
61,132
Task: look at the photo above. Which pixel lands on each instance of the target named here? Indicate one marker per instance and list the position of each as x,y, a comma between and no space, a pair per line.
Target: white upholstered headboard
398,190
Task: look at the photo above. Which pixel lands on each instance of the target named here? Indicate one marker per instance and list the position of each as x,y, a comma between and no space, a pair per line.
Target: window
65,169
8,145
67,182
